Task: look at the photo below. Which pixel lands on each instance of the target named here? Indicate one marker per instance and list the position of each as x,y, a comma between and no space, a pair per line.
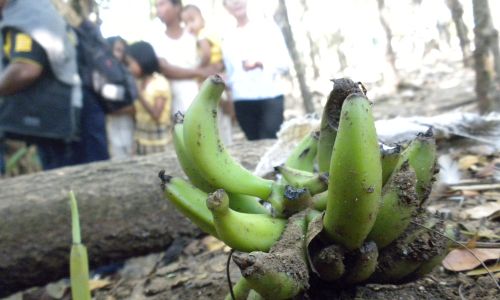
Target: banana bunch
345,209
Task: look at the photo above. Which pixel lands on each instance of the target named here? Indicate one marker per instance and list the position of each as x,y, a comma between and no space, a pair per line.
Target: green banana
407,253
238,202
203,145
354,189
272,274
253,295
330,119
304,154
365,262
315,183
187,165
240,290
189,200
390,157
422,154
399,202
242,231
295,200
320,200
78,263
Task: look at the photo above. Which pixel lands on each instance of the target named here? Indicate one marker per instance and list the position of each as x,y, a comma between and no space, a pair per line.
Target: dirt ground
196,269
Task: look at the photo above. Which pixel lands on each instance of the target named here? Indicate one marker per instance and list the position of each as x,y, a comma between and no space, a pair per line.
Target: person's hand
207,71
250,65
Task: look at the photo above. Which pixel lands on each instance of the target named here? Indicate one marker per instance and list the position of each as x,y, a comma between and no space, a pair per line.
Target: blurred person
255,55
152,130
210,53
178,47
39,82
120,124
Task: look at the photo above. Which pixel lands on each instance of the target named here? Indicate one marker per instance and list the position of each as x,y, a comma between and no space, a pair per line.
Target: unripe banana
253,295
406,254
422,155
242,231
330,119
328,263
79,262
189,200
240,290
354,189
203,144
238,202
303,155
390,157
315,183
320,200
295,200
185,161
365,262
273,275
399,202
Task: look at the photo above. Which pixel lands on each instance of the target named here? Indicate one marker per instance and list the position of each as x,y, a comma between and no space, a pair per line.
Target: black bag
44,111
101,71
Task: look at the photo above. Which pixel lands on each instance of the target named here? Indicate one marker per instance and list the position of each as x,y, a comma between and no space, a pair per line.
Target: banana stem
75,219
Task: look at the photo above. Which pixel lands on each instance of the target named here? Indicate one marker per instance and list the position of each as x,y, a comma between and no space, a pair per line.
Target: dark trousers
93,145
260,119
54,153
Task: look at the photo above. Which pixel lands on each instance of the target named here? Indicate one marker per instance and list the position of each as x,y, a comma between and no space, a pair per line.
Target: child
120,124
208,44
210,54
153,106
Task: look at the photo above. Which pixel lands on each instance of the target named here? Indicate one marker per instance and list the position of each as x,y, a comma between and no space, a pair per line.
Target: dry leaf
462,259
481,211
96,284
482,271
467,161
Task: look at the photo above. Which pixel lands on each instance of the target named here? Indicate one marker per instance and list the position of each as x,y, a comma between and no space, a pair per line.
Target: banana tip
164,177
218,200
217,79
178,117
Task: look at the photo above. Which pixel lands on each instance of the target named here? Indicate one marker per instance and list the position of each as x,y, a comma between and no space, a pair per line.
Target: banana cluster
345,209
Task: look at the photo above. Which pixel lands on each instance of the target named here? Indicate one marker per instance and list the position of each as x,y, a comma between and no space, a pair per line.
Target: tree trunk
392,74
281,17
457,12
122,213
486,57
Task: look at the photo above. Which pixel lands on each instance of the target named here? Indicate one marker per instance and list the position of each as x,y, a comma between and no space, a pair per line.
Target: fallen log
122,211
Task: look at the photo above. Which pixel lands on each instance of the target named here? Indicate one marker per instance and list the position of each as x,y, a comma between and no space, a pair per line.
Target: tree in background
457,12
486,58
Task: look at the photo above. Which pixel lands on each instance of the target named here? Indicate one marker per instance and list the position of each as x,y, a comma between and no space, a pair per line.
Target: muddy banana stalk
79,263
242,231
314,182
282,273
304,154
330,119
204,146
354,189
364,264
240,290
399,202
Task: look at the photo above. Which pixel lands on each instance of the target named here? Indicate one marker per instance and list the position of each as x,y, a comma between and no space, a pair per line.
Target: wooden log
122,212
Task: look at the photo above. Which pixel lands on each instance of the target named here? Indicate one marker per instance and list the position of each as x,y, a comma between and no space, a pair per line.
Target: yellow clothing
215,45
152,136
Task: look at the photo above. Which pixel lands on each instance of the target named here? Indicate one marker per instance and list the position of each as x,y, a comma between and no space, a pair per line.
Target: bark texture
457,12
122,213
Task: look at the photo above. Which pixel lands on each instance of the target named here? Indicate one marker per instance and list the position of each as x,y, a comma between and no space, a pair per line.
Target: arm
19,75
156,109
173,72
205,52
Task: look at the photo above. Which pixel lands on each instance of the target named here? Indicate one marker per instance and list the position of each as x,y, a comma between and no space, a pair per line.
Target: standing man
255,55
39,83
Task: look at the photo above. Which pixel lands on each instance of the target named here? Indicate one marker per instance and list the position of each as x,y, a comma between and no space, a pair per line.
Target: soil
196,268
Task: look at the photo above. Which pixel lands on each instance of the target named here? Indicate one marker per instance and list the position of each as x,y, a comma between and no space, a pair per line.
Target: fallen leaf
482,271
482,233
462,259
96,284
481,211
212,244
467,161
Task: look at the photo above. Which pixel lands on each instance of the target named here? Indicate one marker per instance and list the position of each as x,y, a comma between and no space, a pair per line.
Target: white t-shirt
259,40
181,52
